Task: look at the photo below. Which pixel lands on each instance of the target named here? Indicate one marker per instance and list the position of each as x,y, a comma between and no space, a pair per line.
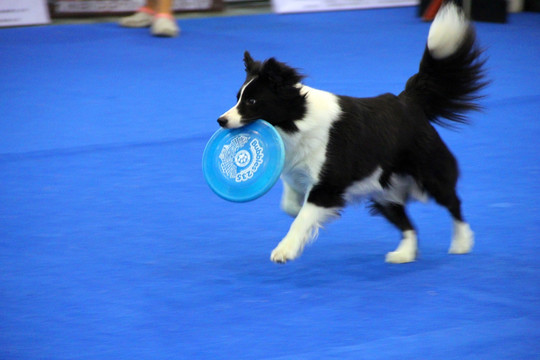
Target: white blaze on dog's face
245,110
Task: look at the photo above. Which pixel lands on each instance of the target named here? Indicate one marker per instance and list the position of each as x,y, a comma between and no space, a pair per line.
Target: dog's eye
251,101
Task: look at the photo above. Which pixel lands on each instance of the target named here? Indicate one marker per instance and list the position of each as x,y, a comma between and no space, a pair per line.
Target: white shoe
164,25
142,18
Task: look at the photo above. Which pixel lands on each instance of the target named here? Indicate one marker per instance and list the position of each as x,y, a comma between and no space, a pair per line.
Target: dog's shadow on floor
315,270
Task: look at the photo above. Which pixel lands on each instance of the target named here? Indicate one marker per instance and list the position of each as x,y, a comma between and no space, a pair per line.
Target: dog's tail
451,71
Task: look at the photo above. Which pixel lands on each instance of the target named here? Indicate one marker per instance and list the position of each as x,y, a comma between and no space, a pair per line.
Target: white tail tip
447,31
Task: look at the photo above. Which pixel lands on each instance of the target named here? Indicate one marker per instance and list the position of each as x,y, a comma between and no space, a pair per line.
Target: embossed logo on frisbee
241,158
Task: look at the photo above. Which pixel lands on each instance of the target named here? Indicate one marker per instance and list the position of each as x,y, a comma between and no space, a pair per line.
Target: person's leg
164,7
164,23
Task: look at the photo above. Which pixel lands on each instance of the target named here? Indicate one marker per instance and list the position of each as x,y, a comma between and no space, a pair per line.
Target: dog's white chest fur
306,149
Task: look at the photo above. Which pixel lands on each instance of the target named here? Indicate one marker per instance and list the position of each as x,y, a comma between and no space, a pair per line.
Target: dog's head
270,92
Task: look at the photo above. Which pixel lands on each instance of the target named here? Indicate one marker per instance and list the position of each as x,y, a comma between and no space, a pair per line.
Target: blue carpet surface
113,247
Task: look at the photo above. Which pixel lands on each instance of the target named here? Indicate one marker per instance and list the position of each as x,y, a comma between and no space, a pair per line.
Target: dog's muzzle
222,121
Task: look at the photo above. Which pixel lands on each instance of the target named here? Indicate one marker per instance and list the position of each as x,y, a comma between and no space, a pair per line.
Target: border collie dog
341,149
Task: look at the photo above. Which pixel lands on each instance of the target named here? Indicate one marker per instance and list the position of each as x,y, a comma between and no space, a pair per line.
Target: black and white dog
340,149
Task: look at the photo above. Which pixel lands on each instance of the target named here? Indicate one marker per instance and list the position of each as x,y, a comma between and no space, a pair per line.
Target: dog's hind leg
462,239
463,236
408,246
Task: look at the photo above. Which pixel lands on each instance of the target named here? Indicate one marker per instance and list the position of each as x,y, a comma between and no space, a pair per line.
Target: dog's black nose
222,121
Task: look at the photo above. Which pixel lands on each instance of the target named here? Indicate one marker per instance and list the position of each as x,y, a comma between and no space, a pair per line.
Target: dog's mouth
226,123
249,121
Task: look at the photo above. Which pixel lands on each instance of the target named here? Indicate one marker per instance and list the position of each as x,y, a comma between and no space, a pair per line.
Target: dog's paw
400,257
284,252
406,251
463,239
459,248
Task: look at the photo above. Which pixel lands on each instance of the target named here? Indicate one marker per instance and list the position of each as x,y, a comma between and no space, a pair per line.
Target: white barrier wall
123,6
293,6
23,12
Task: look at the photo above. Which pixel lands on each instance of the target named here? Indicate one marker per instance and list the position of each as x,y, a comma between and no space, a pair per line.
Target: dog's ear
249,63
280,74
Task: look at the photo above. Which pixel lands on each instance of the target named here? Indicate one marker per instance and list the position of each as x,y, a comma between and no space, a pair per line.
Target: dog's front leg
291,200
303,230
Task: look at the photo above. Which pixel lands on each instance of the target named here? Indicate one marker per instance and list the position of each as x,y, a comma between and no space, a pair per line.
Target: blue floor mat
113,247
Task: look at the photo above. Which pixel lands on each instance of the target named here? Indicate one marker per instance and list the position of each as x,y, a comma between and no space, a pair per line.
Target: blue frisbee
243,164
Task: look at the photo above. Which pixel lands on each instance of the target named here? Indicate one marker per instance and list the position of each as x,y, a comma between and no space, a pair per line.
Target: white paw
284,252
406,251
400,257
463,239
459,249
